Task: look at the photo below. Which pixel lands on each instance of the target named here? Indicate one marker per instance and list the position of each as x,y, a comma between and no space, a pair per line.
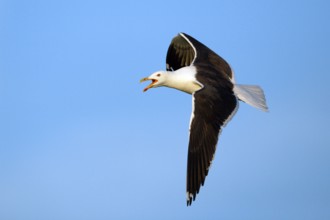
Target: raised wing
185,50
180,53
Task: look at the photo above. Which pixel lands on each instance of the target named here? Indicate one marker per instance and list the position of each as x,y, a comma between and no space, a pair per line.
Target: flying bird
193,68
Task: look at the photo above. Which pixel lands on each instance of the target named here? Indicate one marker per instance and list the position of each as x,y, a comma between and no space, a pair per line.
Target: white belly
184,80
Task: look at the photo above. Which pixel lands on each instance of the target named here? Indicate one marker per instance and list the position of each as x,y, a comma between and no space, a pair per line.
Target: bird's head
157,79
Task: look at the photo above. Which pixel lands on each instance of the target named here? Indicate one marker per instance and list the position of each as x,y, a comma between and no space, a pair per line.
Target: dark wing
214,105
180,53
185,50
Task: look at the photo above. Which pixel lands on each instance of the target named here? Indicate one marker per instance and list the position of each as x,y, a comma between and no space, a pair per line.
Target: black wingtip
189,201
190,198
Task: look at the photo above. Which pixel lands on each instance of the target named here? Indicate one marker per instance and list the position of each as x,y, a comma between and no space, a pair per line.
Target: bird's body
195,69
182,79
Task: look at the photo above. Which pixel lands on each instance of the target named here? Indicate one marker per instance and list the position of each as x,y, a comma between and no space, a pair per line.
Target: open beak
150,85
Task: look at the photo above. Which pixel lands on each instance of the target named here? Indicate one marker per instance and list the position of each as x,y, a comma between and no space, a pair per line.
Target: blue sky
80,140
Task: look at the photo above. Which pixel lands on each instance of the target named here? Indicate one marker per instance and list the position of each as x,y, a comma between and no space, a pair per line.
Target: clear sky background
80,140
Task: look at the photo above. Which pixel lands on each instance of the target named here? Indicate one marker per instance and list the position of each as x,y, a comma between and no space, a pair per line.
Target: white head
158,79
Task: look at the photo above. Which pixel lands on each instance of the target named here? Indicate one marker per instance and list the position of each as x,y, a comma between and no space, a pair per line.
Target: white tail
252,95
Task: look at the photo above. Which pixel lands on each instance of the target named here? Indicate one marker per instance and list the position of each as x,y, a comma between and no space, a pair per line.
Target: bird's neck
183,79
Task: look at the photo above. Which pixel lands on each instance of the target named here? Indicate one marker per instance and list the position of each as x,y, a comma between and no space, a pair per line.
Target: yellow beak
151,84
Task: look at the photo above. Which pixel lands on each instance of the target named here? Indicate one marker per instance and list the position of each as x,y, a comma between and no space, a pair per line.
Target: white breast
184,79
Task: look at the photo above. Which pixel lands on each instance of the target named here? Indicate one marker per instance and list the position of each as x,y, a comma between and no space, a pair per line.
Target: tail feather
252,95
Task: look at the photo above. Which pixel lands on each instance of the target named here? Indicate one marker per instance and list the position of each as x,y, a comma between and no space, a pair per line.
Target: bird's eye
158,75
